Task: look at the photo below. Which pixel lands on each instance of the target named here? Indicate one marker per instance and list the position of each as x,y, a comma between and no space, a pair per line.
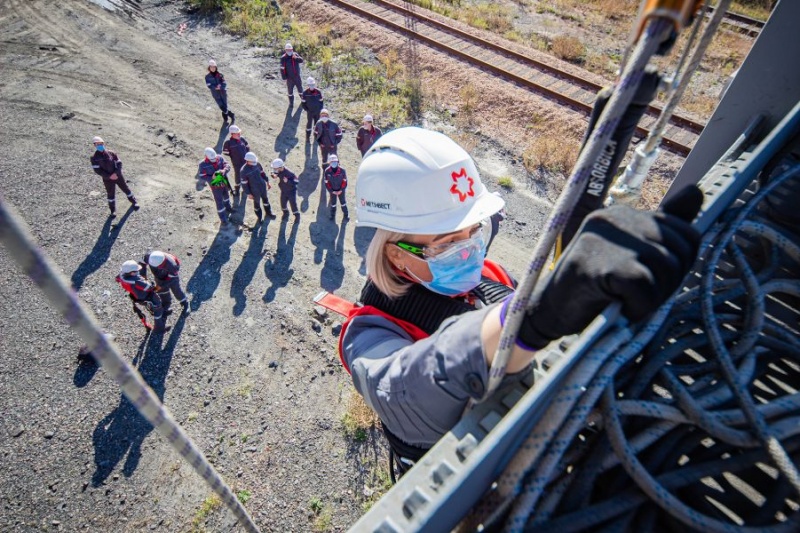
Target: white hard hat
156,258
210,153
250,156
234,129
325,112
277,163
97,140
288,46
212,63
367,118
311,82
333,157
128,267
421,182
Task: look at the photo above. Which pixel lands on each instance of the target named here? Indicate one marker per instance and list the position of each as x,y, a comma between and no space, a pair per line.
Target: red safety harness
491,270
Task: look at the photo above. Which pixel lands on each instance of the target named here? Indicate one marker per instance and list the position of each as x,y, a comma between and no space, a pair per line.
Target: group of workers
422,338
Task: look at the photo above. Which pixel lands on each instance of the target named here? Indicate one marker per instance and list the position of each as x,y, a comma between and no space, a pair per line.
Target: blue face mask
100,148
334,164
458,269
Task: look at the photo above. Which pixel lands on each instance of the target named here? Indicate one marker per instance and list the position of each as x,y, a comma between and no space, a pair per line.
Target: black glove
620,254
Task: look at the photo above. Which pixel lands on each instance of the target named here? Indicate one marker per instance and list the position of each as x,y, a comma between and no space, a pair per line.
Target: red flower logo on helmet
462,185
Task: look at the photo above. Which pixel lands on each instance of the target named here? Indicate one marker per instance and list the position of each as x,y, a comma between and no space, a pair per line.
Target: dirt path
257,387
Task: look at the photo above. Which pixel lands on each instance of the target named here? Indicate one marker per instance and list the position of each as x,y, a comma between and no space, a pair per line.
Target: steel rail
680,121
671,144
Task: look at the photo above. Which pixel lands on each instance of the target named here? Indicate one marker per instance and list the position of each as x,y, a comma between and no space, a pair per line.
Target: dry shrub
727,51
467,141
358,418
701,105
554,153
568,48
616,9
469,98
391,62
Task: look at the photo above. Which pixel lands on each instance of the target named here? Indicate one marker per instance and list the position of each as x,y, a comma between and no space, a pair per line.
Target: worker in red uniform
235,148
313,104
215,82
367,135
107,165
287,183
336,183
290,71
214,170
166,268
327,134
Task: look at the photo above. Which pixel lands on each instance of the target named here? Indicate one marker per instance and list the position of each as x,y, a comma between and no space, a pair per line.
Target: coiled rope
707,391
31,259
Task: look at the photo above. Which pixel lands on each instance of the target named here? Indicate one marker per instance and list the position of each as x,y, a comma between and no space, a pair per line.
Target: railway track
536,76
746,25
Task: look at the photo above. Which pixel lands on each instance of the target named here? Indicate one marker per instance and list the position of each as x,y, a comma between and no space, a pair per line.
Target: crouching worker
142,292
422,343
166,268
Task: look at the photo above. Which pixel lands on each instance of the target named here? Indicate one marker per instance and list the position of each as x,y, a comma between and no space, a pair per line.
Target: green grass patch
209,505
506,182
244,496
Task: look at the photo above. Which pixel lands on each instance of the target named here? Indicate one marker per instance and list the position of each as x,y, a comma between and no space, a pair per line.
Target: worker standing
327,134
235,148
106,164
287,183
421,345
336,183
214,171
131,277
312,103
256,184
367,135
290,71
219,90
166,268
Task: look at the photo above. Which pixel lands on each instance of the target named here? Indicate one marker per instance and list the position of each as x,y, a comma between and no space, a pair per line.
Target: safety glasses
479,232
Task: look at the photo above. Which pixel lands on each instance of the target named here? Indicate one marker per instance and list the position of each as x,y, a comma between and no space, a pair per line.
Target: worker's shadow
328,240
122,432
247,268
278,268
206,277
309,177
223,134
362,236
101,250
369,447
287,137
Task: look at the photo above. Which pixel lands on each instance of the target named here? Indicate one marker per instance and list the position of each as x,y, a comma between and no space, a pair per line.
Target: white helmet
367,118
211,154
250,156
325,112
421,182
234,129
288,46
311,82
155,258
212,63
277,163
98,140
333,157
129,266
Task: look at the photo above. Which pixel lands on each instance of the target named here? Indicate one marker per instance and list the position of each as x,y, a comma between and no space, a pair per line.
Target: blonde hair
380,269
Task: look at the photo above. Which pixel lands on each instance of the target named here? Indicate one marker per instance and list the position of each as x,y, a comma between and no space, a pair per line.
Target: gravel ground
251,374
